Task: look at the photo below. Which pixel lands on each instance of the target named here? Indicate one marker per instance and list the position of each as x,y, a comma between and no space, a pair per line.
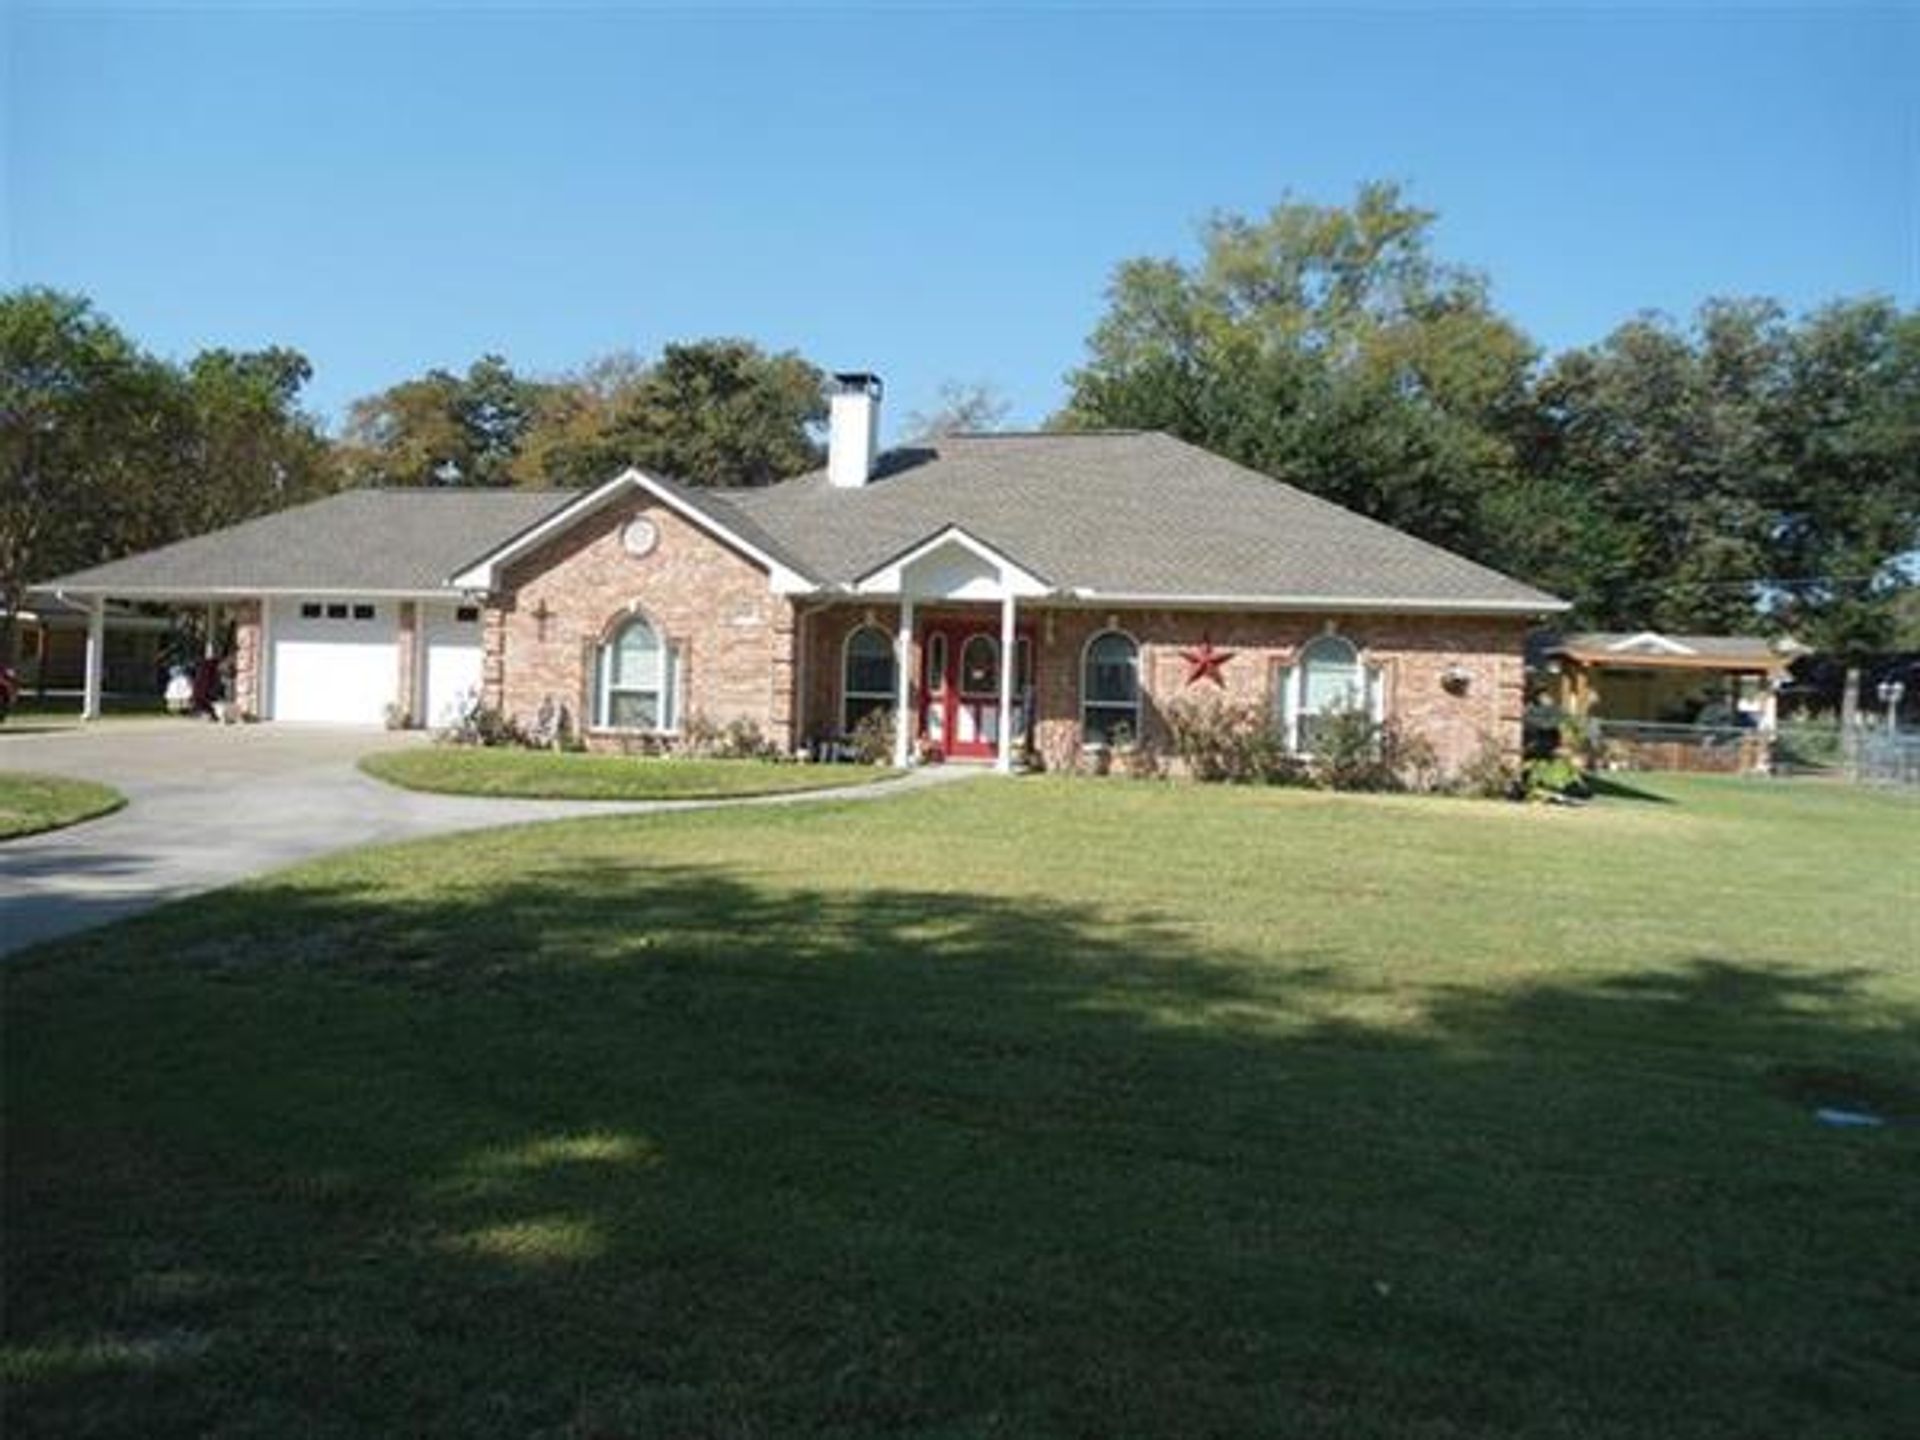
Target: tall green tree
442,428
84,416
106,450
1752,472
1328,346
711,412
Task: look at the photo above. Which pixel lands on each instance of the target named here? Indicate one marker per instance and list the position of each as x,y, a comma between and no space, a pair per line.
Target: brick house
1011,595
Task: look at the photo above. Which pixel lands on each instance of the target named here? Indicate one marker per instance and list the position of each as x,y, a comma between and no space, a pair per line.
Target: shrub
1489,774
1352,752
872,739
744,740
1222,741
1558,778
484,726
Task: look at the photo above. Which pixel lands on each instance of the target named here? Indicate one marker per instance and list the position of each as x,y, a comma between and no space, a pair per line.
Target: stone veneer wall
732,637
248,662
407,647
1414,651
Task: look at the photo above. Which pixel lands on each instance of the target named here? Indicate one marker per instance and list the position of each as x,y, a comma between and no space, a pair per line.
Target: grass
545,775
1011,1108
30,804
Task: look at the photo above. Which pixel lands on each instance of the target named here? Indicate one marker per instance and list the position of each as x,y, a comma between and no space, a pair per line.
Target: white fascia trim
1348,603
1653,638
481,574
888,578
187,594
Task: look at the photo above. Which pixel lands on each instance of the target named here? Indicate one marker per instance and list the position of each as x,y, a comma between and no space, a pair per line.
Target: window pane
937,663
636,658
1107,723
859,707
869,663
1332,680
1113,671
634,710
980,666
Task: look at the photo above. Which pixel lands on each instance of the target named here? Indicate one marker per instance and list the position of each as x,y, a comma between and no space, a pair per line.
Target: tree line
1746,469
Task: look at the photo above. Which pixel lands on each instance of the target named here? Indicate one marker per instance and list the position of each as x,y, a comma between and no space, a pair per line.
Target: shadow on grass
1611,787
618,1151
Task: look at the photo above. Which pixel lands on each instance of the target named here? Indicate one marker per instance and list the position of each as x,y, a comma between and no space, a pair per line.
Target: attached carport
343,610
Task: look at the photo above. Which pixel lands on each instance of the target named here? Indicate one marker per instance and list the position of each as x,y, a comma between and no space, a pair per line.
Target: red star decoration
1204,662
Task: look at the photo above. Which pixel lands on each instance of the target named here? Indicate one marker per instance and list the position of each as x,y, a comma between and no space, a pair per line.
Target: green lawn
458,770
1031,1107
32,803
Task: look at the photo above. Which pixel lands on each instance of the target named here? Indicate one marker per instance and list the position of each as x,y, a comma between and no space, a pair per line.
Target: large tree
105,449
442,428
1751,471
1328,346
709,412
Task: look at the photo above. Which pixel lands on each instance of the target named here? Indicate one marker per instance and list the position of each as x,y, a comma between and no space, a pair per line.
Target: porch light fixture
1456,679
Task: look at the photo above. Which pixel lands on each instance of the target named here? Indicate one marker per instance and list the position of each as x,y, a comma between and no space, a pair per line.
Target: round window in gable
640,536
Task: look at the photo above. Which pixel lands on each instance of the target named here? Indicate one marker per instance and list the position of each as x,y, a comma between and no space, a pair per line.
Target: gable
737,533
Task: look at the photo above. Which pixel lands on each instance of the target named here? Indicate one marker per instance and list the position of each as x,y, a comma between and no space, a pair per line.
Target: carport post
96,658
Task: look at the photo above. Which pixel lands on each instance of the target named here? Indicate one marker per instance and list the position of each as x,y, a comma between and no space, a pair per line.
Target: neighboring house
1007,593
49,647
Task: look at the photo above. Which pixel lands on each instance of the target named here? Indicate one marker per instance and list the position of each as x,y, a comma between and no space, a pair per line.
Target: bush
1352,752
1221,741
1490,774
872,739
1558,778
484,726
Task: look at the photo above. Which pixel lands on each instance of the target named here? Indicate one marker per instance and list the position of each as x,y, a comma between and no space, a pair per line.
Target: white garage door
453,661
334,660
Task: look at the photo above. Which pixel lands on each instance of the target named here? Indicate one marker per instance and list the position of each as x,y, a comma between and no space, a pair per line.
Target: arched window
1328,680
869,680
635,689
1110,689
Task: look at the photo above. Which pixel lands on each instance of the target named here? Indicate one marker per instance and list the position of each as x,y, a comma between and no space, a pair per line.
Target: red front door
960,689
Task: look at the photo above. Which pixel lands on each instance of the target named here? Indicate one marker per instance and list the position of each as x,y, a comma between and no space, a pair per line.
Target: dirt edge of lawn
504,774
63,803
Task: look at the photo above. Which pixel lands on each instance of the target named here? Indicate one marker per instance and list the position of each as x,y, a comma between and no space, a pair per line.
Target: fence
1888,759
1650,745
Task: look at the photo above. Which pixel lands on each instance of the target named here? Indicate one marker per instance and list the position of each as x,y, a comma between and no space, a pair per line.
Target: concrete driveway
208,805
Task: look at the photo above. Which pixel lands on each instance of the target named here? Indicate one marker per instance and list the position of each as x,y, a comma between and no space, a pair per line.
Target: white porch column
1770,705
1003,761
96,658
903,677
213,629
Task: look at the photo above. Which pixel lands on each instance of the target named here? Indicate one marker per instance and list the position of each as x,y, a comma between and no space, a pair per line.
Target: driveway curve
209,805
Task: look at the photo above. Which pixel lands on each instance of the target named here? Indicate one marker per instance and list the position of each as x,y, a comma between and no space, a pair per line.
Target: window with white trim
869,681
1110,688
1328,680
636,681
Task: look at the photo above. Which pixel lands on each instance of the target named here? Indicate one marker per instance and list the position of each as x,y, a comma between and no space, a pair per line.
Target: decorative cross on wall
541,614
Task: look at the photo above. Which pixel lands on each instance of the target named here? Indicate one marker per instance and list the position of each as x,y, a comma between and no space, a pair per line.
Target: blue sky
933,193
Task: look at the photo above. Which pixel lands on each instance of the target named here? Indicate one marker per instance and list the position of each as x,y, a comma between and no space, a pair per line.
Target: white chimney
853,429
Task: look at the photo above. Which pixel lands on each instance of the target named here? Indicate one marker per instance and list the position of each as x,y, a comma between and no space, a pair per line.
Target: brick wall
1414,653
732,638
